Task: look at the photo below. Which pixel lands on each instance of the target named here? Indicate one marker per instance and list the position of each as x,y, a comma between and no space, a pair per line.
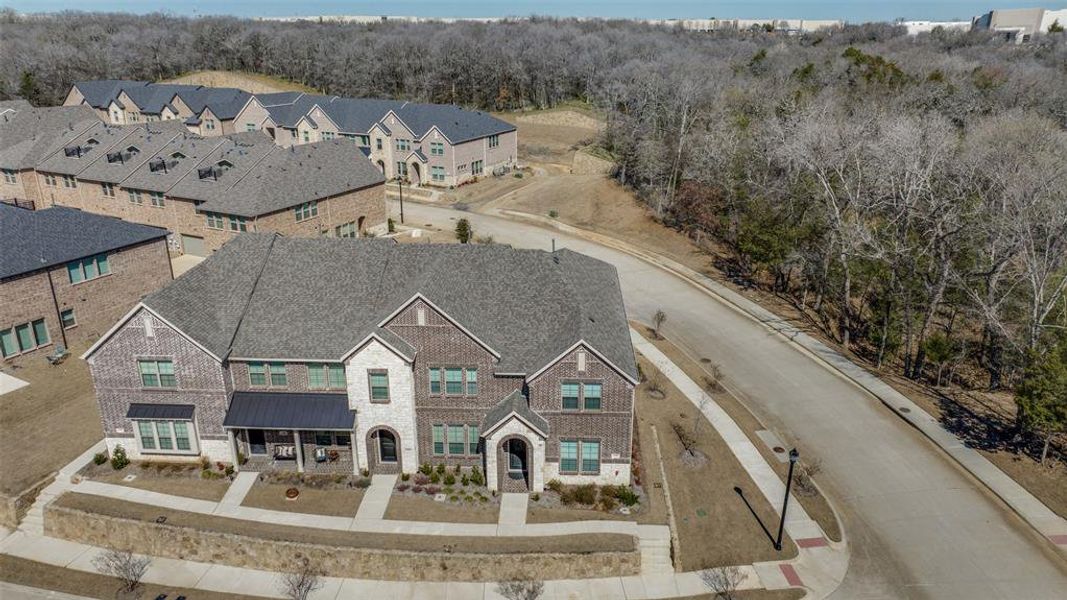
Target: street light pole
400,186
793,457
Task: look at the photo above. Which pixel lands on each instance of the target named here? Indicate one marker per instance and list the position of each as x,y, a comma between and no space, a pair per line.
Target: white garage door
193,245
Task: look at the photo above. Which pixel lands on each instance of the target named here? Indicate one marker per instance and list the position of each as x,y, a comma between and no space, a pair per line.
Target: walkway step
513,509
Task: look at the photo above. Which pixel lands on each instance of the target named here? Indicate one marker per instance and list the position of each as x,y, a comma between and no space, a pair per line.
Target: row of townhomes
424,144
338,355
67,275
203,190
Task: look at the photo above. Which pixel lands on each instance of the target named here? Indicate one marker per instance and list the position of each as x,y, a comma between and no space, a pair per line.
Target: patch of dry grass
250,82
332,503
425,508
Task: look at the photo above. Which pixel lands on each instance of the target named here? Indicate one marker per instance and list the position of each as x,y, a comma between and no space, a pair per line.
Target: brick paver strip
1059,539
815,542
791,575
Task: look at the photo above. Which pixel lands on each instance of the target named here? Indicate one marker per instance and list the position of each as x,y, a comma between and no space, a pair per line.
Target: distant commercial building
786,25
1019,24
917,27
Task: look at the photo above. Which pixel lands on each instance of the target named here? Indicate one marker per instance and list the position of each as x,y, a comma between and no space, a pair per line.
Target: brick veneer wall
367,203
25,187
439,343
611,424
201,382
97,304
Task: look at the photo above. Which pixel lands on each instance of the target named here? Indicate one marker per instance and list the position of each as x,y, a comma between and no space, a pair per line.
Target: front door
257,443
386,447
516,458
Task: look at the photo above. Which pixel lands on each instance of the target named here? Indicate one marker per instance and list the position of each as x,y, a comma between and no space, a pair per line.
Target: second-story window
214,221
10,176
157,373
69,182
209,124
403,145
325,376
577,395
107,189
306,210
457,381
50,180
494,141
307,136
378,143
271,374
135,196
156,198
437,148
250,126
238,223
379,385
88,268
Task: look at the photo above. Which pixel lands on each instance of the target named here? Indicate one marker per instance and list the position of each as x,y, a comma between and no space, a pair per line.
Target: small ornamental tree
658,320
521,589
127,568
464,232
1041,398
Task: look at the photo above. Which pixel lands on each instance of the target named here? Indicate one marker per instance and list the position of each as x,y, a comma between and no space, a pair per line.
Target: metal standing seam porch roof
181,412
285,410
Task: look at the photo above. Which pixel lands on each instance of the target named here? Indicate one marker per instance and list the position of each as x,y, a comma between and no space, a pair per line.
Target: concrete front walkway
376,498
237,491
513,509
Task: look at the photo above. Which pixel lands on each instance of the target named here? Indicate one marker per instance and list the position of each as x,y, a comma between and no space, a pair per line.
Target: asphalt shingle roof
241,151
515,403
107,137
99,93
457,124
147,138
37,239
316,298
178,158
290,176
28,135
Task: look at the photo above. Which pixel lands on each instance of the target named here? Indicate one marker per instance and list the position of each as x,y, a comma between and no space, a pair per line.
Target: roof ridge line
248,301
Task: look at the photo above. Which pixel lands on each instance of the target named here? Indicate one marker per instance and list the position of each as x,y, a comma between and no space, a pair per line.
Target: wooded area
908,193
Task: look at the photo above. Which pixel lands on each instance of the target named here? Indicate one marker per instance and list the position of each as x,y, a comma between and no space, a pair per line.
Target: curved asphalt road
918,526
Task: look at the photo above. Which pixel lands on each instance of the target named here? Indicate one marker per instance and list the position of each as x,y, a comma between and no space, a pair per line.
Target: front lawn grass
327,502
569,544
424,508
176,479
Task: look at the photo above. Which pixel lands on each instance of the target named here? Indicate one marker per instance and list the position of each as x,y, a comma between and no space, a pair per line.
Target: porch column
355,452
299,451
233,449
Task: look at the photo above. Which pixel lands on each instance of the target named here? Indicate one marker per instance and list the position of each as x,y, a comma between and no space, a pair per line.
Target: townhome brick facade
347,355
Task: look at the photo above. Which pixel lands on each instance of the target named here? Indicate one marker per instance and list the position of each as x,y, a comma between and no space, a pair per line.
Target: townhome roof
152,98
358,115
225,103
31,240
180,157
272,297
100,93
457,124
290,176
28,135
231,160
14,105
141,144
93,143
289,114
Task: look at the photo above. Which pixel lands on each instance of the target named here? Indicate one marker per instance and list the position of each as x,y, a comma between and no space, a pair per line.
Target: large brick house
67,275
424,144
343,355
203,190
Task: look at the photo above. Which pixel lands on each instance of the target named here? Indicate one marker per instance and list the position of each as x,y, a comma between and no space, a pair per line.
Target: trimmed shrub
450,479
405,476
435,477
209,474
433,490
421,479
403,487
441,468
425,468
476,476
365,472
363,483
585,494
465,480
555,485
417,489
119,460
99,458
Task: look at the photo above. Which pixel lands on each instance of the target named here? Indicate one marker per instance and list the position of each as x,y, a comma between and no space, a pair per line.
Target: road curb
1042,520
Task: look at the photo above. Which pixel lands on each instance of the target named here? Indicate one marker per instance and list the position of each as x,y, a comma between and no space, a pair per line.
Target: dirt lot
40,575
816,506
178,479
577,544
249,82
58,405
404,507
715,527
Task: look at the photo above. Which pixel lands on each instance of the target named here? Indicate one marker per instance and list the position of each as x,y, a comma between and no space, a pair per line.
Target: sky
848,10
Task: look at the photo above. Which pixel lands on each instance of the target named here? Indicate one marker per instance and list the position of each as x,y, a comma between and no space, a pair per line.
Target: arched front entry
514,456
359,225
383,450
381,165
415,173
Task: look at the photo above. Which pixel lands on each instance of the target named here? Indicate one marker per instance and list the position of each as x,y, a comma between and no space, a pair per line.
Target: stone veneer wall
336,561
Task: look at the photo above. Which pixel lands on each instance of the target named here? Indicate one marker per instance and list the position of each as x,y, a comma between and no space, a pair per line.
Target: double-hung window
437,173
50,180
570,394
250,126
157,373
307,136
579,456
23,338
494,141
306,210
346,230
69,182
108,190
322,376
456,444
378,143
166,436
439,440
379,386
472,440
209,124
477,167
135,196
88,268
403,145
10,176
327,135
591,396
401,168
262,374
238,223
453,381
156,198
472,382
214,221
437,148
435,381
67,318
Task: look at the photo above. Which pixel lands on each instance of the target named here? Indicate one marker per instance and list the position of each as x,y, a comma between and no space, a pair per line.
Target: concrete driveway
919,526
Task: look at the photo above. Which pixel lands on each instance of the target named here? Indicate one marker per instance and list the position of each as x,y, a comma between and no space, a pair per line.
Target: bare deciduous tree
125,566
658,319
301,581
521,589
723,581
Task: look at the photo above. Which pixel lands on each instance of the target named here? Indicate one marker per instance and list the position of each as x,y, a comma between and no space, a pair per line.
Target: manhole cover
778,449
904,409
701,512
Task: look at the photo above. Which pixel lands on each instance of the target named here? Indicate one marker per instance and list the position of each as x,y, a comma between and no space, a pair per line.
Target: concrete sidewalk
513,509
238,489
376,498
1031,510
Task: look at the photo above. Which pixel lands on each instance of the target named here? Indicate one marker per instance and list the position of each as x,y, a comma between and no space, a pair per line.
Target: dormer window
177,156
91,142
72,151
157,165
115,157
133,151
